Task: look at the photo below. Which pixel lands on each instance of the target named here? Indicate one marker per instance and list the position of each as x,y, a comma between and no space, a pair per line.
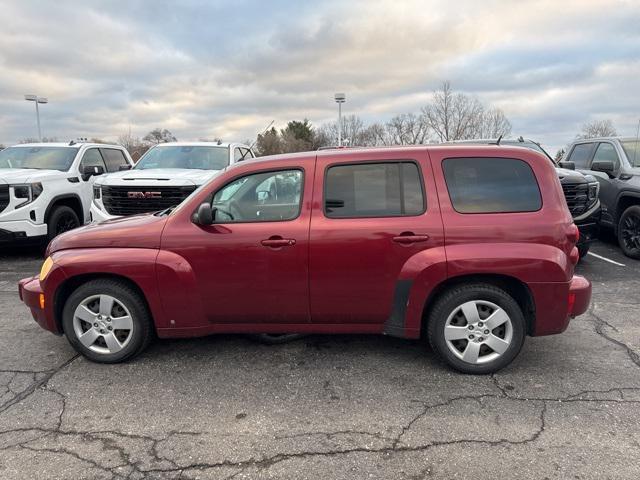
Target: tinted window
373,190
92,158
261,197
581,154
491,185
113,158
606,153
631,148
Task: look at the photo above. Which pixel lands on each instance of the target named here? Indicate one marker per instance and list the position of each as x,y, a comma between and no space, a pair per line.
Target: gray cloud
229,68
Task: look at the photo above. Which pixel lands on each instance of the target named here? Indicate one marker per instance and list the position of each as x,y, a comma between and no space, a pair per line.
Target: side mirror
126,166
567,165
605,166
204,215
91,171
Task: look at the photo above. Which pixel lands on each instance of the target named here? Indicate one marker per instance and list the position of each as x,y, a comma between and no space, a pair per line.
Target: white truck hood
28,175
157,176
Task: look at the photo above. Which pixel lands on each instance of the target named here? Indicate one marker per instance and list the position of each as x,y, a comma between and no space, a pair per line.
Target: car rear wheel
629,232
476,328
107,321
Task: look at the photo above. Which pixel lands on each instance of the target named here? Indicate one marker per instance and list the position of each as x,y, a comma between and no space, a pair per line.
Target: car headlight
46,268
27,192
592,193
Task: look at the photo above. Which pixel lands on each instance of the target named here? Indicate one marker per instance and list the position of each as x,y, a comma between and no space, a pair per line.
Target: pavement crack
599,329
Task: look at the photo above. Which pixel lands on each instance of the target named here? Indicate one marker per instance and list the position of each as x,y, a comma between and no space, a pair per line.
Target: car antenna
263,131
497,142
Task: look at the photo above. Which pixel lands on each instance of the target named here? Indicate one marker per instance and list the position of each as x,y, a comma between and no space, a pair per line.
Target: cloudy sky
207,69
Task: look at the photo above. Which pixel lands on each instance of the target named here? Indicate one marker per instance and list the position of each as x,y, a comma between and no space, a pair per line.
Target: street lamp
340,98
36,99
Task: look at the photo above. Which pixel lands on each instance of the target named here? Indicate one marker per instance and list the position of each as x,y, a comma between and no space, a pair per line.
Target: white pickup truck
164,176
47,188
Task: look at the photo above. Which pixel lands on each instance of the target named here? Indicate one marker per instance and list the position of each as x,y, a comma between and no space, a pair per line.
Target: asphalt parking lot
325,407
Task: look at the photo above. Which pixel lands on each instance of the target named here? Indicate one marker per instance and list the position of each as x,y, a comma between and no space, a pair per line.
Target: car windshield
632,149
40,158
194,157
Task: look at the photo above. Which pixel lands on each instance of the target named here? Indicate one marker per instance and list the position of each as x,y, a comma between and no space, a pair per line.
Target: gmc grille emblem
144,194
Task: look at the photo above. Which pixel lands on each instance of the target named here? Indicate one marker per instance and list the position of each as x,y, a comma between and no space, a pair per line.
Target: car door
371,214
90,158
609,187
251,264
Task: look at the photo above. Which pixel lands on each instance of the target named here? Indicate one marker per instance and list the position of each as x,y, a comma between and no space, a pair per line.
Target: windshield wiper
166,211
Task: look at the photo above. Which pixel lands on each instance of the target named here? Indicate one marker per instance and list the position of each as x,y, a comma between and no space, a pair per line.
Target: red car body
325,275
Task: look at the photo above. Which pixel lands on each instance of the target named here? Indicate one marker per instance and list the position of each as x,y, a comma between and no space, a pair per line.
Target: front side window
39,158
92,158
491,185
581,154
114,159
632,149
260,197
373,190
190,157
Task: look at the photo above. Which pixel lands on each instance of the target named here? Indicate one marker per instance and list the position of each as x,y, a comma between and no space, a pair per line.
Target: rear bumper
30,290
579,295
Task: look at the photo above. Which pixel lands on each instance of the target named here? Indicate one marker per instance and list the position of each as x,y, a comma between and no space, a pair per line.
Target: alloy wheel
103,324
478,332
631,232
65,223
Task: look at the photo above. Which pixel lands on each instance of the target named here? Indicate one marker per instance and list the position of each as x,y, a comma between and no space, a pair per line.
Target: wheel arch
66,288
515,287
625,200
70,200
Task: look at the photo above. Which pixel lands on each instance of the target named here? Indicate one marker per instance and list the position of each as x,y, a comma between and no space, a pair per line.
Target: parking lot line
606,259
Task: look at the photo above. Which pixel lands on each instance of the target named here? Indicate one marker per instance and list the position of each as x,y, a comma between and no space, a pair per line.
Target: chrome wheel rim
478,332
103,324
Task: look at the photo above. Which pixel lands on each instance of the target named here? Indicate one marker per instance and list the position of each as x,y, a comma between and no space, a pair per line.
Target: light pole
340,98
36,99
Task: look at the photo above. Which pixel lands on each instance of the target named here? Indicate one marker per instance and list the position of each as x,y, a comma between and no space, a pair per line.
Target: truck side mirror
605,166
91,171
204,214
567,165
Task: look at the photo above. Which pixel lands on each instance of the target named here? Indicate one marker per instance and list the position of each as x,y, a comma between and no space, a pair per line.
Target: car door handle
276,242
410,238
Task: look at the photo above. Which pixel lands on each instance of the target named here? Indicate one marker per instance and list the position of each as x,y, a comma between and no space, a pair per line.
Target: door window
92,158
390,189
260,197
113,158
581,154
607,153
237,155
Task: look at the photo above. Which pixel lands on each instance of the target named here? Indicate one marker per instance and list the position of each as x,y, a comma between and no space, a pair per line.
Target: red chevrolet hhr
470,246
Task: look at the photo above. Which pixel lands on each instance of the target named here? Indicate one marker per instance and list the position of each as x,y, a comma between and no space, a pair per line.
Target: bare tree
133,144
157,135
493,124
598,128
559,155
407,129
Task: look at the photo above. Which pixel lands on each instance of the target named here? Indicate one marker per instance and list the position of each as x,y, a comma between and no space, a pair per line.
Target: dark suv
469,246
580,192
615,162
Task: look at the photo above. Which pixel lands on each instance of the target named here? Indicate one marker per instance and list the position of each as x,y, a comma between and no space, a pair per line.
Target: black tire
450,301
629,232
62,219
583,250
141,333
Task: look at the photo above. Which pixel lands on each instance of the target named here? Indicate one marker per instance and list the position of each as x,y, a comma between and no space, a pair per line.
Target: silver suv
615,162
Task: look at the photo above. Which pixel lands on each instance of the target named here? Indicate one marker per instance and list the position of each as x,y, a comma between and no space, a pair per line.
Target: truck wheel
107,321
62,219
476,328
629,232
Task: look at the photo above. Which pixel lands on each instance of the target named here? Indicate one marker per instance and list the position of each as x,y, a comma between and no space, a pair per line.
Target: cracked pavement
340,407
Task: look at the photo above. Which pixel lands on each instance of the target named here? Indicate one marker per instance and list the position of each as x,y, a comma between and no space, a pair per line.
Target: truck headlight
592,193
27,192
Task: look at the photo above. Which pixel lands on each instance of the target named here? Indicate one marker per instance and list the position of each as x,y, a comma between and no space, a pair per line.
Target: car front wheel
476,328
629,232
107,321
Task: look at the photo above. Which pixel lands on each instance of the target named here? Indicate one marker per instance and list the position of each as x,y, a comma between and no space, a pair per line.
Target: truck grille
136,199
577,196
4,197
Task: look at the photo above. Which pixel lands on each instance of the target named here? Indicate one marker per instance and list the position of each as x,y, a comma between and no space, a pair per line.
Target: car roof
605,139
199,144
68,145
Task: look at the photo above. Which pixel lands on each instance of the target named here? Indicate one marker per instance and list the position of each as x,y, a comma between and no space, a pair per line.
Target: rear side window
113,158
373,190
491,185
581,154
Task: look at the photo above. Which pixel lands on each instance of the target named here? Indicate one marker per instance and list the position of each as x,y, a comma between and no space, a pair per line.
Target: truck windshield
194,157
632,149
39,158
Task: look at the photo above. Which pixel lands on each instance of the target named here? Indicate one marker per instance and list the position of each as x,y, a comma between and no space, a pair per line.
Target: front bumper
98,215
30,291
588,224
16,230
